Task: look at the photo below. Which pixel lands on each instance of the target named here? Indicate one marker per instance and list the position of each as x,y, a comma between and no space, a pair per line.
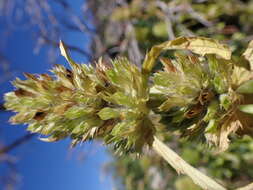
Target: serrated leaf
198,45
108,113
248,108
246,88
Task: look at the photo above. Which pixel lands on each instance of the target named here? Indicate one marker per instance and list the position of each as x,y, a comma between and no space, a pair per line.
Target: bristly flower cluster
201,92
106,102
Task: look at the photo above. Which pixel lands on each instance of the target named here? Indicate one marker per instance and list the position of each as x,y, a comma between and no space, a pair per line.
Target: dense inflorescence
203,96
200,92
84,102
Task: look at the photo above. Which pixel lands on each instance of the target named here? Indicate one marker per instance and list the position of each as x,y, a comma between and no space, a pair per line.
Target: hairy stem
183,167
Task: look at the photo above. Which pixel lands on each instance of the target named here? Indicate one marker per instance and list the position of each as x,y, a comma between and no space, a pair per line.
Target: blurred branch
5,63
79,24
70,47
134,52
198,16
16,143
168,17
49,23
63,3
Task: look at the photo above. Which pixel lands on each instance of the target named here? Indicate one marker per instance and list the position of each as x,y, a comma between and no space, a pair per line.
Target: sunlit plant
200,92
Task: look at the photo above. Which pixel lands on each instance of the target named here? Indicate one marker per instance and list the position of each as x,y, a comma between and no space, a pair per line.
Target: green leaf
108,113
248,108
246,88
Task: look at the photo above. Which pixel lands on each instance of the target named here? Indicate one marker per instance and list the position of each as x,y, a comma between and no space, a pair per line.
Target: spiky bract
105,102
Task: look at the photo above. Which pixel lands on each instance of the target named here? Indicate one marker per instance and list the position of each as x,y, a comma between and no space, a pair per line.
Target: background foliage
141,24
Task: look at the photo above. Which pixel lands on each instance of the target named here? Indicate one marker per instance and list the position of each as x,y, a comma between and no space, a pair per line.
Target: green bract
200,92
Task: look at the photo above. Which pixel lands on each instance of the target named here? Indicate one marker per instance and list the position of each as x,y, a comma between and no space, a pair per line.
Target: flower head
201,92
203,96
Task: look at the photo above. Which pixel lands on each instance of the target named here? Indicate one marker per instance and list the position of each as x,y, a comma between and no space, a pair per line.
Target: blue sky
44,165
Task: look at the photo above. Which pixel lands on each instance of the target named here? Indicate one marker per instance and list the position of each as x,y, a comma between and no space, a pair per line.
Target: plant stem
183,167
247,187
